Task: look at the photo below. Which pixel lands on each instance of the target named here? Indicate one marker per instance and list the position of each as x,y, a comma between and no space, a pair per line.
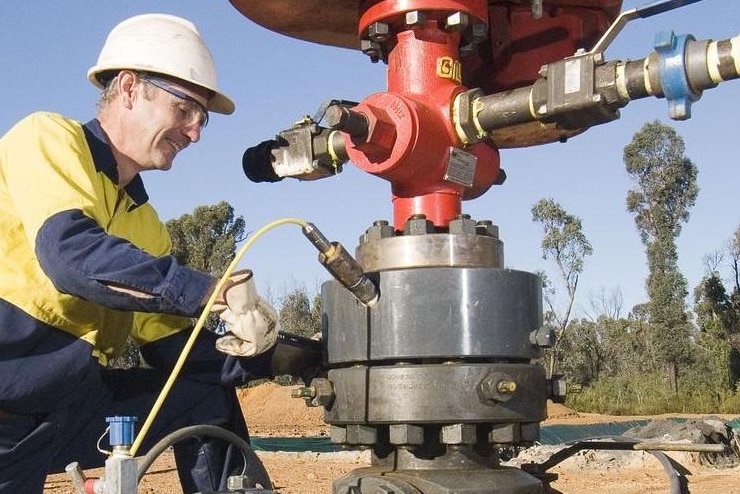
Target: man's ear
127,85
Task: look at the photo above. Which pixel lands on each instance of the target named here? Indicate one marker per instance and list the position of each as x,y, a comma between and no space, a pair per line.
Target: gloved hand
240,287
251,322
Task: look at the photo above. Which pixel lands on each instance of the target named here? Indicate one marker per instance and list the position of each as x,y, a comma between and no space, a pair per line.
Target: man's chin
164,162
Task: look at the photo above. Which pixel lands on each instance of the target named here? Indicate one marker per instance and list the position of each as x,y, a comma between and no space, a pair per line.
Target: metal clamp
671,51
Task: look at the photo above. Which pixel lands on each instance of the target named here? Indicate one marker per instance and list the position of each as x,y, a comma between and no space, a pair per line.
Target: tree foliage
665,190
630,364
718,342
581,357
566,245
206,239
626,345
734,251
299,315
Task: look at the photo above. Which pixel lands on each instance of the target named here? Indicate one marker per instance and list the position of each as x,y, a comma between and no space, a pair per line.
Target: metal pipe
342,118
679,70
77,476
695,448
504,109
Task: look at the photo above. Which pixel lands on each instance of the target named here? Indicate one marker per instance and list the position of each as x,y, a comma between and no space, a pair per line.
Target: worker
85,264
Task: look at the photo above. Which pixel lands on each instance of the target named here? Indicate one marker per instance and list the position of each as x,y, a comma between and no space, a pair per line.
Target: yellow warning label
449,68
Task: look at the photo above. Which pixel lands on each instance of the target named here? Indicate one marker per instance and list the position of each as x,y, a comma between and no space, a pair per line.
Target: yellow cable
199,325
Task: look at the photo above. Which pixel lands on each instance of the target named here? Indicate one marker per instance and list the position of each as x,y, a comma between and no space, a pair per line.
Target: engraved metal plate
460,167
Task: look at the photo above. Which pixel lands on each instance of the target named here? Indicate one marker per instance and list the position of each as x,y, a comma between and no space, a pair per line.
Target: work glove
252,324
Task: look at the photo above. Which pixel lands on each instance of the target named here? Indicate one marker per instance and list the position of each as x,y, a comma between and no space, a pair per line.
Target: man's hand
251,322
239,291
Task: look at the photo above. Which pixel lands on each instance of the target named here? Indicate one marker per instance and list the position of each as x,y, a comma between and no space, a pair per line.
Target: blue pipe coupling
686,67
671,51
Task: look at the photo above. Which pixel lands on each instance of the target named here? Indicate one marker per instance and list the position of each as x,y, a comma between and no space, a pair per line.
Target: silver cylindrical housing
439,313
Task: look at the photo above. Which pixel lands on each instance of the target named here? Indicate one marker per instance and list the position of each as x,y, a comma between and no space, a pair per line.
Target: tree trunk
672,370
551,366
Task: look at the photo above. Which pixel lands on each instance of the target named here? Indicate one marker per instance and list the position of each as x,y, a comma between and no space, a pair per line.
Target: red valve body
410,126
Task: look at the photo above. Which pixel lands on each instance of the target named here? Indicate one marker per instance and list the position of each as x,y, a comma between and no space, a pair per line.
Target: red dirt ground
270,411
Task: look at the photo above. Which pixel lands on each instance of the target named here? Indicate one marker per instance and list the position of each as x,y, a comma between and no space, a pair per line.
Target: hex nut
457,21
463,225
406,434
415,18
418,225
323,395
361,434
505,434
458,434
378,31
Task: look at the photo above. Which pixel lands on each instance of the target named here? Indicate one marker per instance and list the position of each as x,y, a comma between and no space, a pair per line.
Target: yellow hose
199,325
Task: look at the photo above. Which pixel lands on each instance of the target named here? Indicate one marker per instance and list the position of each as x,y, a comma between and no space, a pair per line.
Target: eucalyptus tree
206,239
299,315
718,322
665,189
566,245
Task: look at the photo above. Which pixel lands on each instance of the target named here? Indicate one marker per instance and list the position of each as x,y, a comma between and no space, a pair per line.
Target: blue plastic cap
121,430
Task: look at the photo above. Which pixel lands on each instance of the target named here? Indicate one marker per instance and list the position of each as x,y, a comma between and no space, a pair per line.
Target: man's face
167,117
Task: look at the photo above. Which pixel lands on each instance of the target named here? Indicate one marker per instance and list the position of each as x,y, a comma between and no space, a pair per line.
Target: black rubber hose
673,469
254,469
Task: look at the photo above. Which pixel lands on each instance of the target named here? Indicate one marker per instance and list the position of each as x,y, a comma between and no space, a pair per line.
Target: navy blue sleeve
81,259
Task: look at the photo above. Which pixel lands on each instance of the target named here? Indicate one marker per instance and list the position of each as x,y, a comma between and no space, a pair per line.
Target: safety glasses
192,112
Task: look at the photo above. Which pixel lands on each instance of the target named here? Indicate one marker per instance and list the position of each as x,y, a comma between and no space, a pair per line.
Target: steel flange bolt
558,388
497,386
378,32
543,337
418,224
415,18
319,394
458,21
372,49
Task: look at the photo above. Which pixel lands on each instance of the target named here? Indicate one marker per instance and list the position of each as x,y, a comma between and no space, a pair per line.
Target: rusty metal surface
327,22
530,134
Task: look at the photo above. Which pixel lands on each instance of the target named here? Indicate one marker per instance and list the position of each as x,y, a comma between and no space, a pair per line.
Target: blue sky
47,47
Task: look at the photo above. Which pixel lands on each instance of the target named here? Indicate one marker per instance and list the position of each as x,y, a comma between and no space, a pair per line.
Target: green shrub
649,394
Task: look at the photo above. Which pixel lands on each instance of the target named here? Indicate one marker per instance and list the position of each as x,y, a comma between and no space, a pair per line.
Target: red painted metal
520,45
411,129
388,10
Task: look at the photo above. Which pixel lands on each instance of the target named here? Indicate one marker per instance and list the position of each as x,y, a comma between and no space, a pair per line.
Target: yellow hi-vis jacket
69,233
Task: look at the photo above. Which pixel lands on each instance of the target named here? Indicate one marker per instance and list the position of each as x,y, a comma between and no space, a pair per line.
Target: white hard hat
162,44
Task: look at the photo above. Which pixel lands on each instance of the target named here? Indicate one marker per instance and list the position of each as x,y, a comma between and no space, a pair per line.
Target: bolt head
415,17
378,31
457,21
